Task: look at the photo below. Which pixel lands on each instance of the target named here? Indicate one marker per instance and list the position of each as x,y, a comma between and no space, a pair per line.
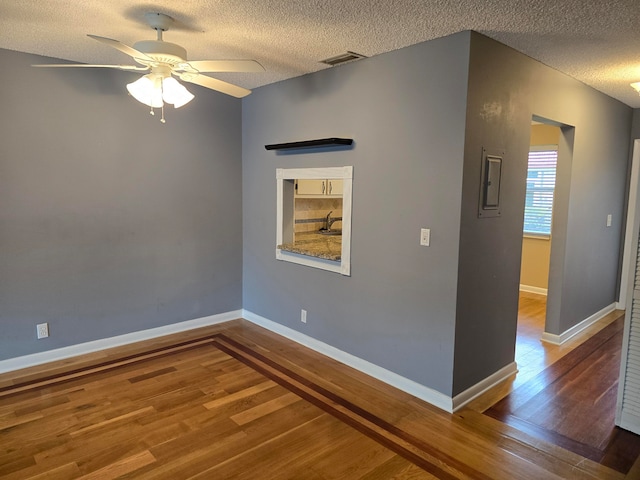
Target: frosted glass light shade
145,91
636,86
175,93
153,91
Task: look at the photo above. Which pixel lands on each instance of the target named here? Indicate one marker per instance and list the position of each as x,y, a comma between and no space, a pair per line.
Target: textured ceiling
593,41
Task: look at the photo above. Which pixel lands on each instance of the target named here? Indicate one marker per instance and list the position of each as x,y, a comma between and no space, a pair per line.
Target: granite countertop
328,247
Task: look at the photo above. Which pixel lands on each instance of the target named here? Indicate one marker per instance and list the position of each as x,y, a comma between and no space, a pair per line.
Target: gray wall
635,131
635,134
405,306
406,112
111,222
505,89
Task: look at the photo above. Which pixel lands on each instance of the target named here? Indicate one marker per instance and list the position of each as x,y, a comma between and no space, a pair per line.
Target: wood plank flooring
572,403
237,401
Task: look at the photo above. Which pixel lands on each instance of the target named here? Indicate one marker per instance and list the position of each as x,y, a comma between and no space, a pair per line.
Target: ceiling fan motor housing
161,51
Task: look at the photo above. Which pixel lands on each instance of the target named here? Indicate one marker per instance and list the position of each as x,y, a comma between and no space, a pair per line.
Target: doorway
580,370
536,246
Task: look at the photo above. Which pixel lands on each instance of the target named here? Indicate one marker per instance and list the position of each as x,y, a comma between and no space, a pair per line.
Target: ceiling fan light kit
175,93
154,91
165,59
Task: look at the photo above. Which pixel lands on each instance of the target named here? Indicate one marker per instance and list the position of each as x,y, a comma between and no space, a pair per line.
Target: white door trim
632,219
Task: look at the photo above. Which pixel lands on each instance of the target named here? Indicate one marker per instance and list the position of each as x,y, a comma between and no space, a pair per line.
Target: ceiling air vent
343,58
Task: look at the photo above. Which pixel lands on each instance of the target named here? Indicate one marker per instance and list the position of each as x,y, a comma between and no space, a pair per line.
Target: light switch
425,236
609,220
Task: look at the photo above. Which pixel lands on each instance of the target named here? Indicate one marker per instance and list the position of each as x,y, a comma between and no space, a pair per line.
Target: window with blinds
541,182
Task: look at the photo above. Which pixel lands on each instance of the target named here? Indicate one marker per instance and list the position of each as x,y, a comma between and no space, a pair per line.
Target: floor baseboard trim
39,358
576,329
418,390
531,289
479,388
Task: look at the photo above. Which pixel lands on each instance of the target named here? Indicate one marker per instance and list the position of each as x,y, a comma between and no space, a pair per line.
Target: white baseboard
479,388
531,289
576,329
102,344
427,394
420,391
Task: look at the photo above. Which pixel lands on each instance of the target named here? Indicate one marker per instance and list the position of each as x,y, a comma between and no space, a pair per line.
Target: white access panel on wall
628,406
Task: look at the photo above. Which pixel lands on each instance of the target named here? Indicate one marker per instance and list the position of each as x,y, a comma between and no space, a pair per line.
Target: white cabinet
334,187
319,188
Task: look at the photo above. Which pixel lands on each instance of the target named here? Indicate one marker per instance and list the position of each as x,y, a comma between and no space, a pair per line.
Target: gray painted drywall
111,222
635,129
635,134
396,310
405,111
505,89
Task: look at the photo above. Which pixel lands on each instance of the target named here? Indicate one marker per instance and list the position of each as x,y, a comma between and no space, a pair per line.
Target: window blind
541,182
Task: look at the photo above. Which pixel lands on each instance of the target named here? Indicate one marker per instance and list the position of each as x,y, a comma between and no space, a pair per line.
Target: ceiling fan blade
215,84
84,65
132,52
222,66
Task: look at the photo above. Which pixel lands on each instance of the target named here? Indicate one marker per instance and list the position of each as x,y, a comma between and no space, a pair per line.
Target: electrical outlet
303,316
43,330
609,218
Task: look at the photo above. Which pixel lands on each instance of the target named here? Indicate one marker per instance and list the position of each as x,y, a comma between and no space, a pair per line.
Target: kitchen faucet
328,221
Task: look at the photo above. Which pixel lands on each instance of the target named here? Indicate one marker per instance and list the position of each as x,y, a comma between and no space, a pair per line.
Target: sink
330,232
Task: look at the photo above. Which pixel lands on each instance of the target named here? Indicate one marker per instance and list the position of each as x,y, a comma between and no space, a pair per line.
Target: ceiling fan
164,59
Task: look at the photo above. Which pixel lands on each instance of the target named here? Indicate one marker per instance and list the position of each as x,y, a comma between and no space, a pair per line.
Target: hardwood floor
572,403
236,401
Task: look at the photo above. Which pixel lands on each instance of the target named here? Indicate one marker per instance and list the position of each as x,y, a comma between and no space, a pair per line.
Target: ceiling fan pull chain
151,112
162,120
